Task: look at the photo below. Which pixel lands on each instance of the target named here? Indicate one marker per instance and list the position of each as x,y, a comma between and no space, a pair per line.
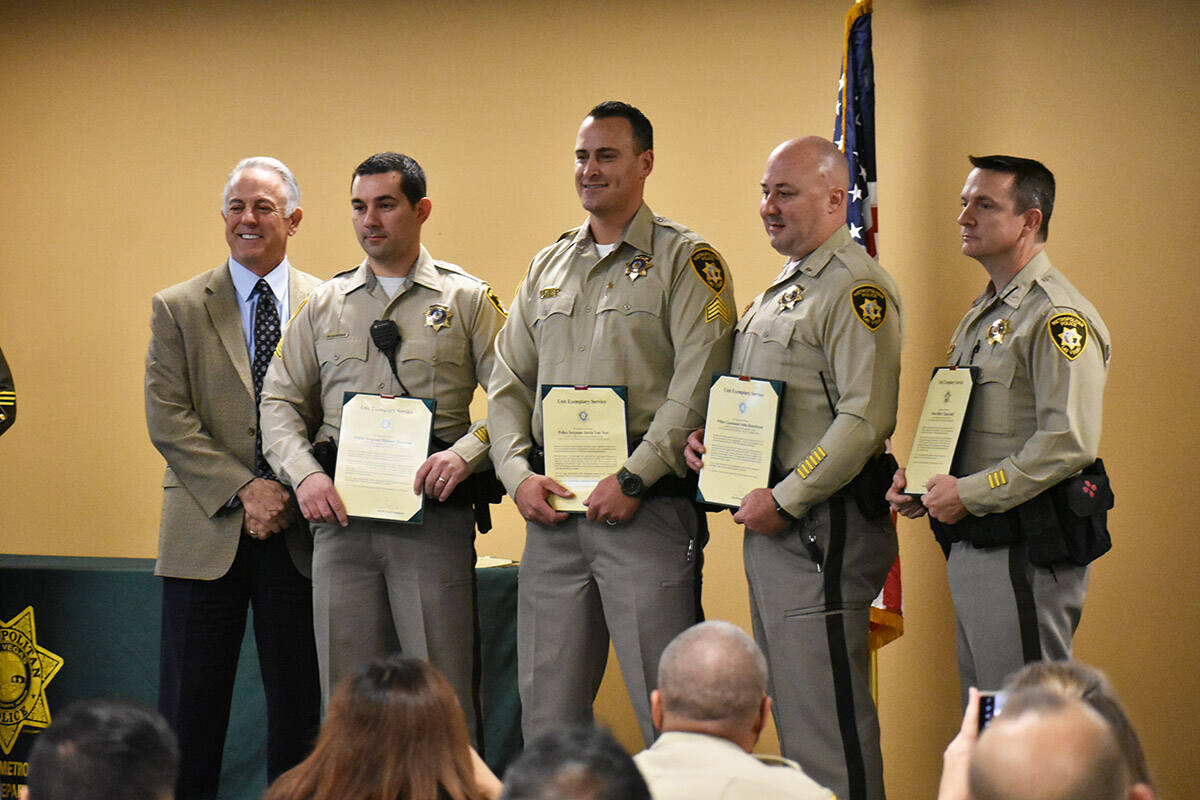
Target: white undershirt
394,286
605,249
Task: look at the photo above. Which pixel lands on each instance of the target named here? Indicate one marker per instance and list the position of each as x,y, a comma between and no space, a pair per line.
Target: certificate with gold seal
939,427
383,442
739,438
585,438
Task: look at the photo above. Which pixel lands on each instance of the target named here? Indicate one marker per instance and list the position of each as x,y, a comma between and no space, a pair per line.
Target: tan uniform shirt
830,328
1035,411
694,766
655,315
327,350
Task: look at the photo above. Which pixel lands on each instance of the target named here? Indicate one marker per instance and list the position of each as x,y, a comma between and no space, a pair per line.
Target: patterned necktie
266,338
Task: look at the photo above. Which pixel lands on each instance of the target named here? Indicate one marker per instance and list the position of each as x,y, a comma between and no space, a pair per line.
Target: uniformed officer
8,396
819,542
1042,354
626,299
380,586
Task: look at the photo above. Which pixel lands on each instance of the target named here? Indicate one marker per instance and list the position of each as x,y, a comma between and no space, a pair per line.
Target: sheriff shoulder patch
869,304
494,300
1069,332
708,266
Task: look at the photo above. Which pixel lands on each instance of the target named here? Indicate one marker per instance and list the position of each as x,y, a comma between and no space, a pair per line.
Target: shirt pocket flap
340,348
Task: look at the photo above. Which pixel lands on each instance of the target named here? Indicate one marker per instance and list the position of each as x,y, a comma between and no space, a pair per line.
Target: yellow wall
120,121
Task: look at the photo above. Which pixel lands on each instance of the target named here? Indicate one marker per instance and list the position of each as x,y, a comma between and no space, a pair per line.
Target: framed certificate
383,442
739,438
939,427
585,438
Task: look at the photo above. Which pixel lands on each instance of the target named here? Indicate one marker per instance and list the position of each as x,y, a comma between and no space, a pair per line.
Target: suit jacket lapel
222,304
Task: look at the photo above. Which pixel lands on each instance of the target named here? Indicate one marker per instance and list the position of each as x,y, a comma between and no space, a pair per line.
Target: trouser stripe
1027,622
839,655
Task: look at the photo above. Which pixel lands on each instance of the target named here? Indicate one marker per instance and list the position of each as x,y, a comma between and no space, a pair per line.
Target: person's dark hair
394,731
104,750
643,131
574,763
1033,185
1076,679
412,177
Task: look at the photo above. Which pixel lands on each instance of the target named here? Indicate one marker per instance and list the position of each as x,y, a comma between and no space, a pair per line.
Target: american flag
854,134
854,125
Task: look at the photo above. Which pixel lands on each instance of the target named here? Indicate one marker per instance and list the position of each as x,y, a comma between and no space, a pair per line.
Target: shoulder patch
494,300
1069,332
708,266
870,305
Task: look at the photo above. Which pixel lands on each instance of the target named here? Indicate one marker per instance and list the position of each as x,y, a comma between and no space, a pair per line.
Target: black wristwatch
631,485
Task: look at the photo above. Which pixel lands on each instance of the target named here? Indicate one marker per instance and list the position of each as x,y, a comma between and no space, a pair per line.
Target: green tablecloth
101,618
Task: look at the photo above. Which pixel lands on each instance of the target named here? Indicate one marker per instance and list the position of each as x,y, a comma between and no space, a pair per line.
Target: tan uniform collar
423,272
639,232
1013,293
813,263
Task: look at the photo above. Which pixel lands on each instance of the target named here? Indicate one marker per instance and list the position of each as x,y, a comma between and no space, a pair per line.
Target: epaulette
1060,296
570,233
682,230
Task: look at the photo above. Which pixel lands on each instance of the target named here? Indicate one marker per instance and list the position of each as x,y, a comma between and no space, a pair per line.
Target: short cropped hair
712,672
412,177
1033,185
574,763
291,189
643,131
104,750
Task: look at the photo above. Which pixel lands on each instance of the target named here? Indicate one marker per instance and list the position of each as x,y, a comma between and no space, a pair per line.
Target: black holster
1066,524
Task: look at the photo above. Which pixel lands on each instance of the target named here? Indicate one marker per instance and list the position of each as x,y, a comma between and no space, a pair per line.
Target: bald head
712,672
804,194
1048,747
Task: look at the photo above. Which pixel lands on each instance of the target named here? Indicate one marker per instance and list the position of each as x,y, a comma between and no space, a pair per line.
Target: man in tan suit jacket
230,535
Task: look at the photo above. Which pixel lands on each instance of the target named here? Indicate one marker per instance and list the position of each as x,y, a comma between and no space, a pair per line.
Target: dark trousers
203,623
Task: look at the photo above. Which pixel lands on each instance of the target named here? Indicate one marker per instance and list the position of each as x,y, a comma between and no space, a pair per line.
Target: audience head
712,678
575,763
1046,746
104,750
393,731
1077,680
